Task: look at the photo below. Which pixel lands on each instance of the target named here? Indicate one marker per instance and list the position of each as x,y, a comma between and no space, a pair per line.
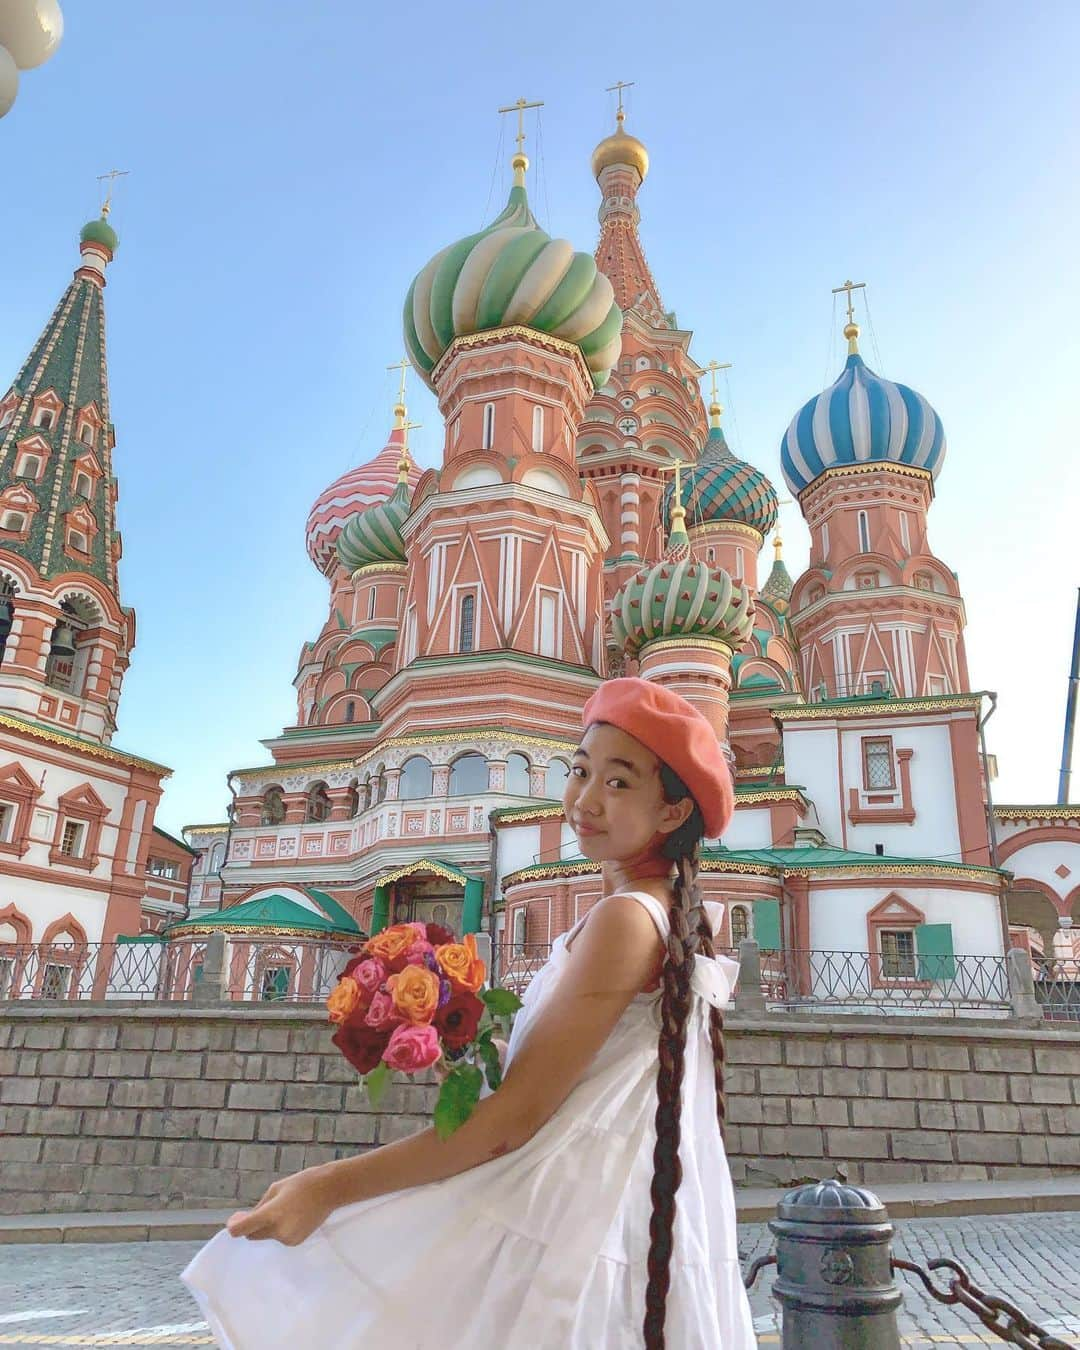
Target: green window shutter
196,974
380,910
934,952
767,925
473,907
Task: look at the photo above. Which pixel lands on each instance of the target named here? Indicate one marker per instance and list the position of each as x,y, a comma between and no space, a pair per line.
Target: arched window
366,797
538,429
82,485
488,439
217,858
740,564
740,924
86,434
379,784
468,775
816,593
44,419
350,711
29,467
517,775
416,778
520,929
318,803
558,772
372,600
467,629
7,613
273,807
864,532
352,801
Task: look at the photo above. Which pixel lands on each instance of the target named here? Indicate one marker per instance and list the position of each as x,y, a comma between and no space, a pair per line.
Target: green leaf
457,1098
492,1067
377,1081
502,1002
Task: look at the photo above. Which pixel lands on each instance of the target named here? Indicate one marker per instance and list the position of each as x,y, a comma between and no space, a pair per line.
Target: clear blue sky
292,166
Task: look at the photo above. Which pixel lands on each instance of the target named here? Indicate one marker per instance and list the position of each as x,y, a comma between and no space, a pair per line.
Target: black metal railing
282,970
1057,988
94,970
516,963
872,983
866,686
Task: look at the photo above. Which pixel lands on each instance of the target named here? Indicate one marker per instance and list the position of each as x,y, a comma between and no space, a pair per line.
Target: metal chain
1003,1318
757,1267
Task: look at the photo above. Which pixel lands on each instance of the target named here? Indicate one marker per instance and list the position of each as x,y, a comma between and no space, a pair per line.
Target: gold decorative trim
877,466
104,752
287,767
424,865
475,733
515,815
767,794
567,869
1038,812
259,930
762,771
491,336
704,643
206,829
380,567
735,526
930,703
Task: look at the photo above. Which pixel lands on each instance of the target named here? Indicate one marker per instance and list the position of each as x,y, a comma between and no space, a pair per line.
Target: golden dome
620,148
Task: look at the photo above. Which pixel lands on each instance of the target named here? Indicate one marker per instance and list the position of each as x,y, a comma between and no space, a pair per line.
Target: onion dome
99,232
374,536
680,597
778,584
861,419
355,493
513,273
620,148
722,487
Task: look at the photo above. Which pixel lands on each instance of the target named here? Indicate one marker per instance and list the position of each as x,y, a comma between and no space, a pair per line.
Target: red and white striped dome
354,492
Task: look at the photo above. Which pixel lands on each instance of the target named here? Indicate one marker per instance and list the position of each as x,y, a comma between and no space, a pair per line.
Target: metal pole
834,1275
1065,777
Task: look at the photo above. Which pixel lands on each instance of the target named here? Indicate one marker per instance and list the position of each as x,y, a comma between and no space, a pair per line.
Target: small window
864,532
740,564
468,776
457,429
71,840
878,765
816,593
273,807
350,711
44,419
538,430
520,929
275,984
82,485
318,804
55,981
7,821
372,601
898,955
86,434
466,634
417,779
710,555
740,924
937,684
488,439
160,867
824,541
558,772
77,541
30,467
517,775
7,417
15,521
905,532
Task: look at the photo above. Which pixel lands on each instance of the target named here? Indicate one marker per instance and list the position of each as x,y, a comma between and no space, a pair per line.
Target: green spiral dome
374,535
513,273
681,598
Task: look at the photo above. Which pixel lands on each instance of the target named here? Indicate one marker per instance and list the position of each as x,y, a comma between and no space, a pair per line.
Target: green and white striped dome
513,273
374,536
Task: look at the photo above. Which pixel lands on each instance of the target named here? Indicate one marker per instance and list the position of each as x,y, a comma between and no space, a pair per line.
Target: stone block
354,1129
297,1127
136,1036
324,1129
1063,1120
937,1115
391,1128
738,1081
818,1111
745,1049
199,1092
853,1082
311,1040
857,1143
238,1125
192,1036
82,1092
291,1158
1058,1059
1000,1118
257,1096
333,1068
956,1172
49,1120
14,1149
199,1153
220,1036
916,1084
1046,1090
876,1054
163,1038
803,1140
20,1091
1034,1151
245,1037
884,1115
307,1068
29,1064
948,1055
744,1110
967,1116
987,1148
140,1092
175,1124
175,1064
268,1128
811,1052
115,1123
46,1036
778,1081
882,1172
232,1067
71,1064
274,1040
314,1097
978,1087
121,1064
317,1154
922,1146
1002,1058
8,1061
1032,1119
116,1152
776,1110
1063,1150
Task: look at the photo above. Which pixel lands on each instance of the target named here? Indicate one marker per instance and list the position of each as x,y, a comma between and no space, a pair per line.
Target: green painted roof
100,232
140,938
721,487
827,858
680,596
269,911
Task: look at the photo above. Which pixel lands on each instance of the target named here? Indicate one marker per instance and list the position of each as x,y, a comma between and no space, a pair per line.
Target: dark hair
690,933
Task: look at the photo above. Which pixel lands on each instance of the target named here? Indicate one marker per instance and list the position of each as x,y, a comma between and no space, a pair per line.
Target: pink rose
413,1048
417,953
382,1013
421,929
369,975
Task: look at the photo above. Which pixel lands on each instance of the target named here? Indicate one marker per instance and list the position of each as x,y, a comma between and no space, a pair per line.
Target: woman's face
614,798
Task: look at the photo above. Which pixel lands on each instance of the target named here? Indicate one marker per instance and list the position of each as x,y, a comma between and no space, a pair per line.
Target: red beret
677,734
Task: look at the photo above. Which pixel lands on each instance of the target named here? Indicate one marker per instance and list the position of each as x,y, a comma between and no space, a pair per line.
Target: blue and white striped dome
861,419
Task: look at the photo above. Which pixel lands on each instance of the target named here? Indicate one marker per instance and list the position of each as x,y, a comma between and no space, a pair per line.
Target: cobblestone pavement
129,1293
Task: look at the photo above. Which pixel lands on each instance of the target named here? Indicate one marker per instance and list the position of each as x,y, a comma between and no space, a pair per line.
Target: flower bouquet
413,997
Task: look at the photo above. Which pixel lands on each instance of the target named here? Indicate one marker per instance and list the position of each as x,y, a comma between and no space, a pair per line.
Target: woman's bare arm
612,958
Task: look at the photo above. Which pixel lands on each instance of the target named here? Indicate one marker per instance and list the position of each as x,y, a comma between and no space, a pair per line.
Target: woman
586,1205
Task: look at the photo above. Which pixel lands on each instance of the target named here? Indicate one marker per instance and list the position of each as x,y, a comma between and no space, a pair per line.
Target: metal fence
1057,989
96,970
868,982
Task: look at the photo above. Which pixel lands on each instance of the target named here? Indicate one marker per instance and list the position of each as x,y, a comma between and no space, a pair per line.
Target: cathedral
588,519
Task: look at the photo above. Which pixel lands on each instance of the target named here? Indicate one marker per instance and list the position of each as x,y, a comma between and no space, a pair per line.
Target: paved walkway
128,1293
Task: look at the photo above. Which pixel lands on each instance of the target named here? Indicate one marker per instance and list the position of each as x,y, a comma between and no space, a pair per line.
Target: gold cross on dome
712,368
410,426
676,467
403,366
112,176
519,106
848,287
618,87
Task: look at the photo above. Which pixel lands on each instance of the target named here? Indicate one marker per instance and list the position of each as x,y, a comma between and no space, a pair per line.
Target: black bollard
833,1269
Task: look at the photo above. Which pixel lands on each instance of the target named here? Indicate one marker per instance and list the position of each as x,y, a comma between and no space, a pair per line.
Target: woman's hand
289,1211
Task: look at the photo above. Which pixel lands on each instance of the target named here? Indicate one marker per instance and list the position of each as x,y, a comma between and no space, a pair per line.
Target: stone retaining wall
105,1107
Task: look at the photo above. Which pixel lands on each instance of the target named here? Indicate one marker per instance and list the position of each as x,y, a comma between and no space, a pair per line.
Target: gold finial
678,511
520,162
112,176
404,463
618,87
399,406
778,547
716,408
851,328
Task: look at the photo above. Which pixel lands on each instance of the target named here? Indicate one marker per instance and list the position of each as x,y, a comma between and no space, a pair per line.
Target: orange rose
415,993
391,944
461,965
343,1000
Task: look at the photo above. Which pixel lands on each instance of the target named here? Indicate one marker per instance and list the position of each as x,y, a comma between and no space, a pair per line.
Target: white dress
543,1249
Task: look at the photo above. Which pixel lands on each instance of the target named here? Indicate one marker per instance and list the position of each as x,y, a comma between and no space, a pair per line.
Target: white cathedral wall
1038,862
749,828
518,847
838,917
43,903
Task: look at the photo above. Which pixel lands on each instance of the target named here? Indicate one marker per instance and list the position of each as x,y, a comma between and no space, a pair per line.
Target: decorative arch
68,925
24,929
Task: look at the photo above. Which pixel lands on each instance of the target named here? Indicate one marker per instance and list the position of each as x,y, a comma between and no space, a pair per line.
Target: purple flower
444,992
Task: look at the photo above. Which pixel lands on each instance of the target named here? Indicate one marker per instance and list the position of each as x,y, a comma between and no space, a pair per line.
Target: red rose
361,1045
437,935
457,1020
